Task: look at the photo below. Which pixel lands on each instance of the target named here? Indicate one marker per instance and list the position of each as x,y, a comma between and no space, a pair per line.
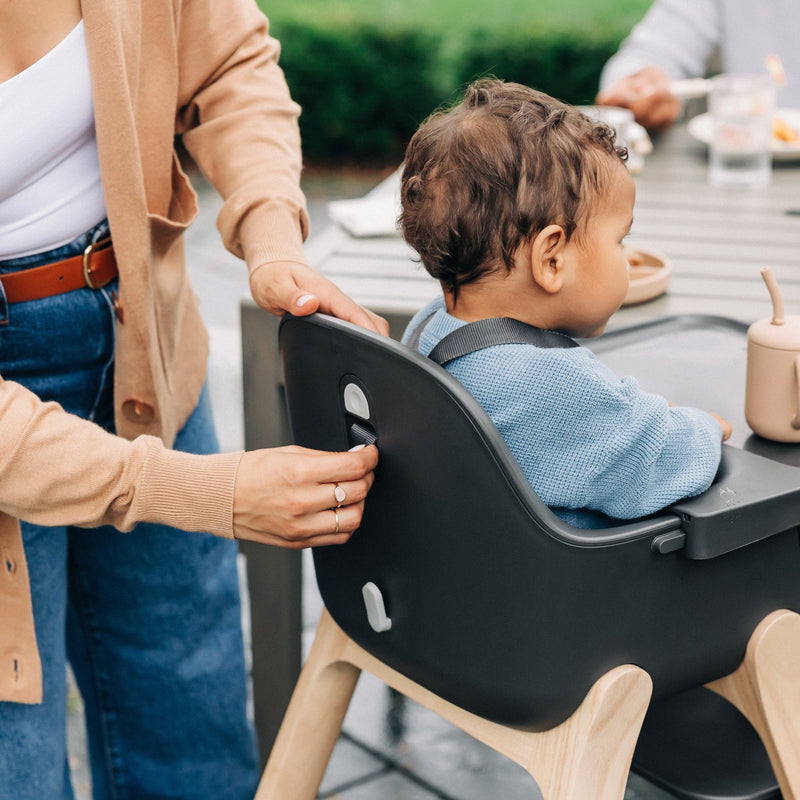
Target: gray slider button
355,401
376,611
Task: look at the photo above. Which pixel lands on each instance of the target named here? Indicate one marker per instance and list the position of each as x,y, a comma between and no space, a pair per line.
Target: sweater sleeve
657,455
57,469
585,438
677,35
625,452
241,127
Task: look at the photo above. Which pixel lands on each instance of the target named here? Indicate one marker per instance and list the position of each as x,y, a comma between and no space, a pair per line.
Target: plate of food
649,275
785,133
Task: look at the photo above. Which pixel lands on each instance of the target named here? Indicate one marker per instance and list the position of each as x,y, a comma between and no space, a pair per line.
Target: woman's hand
647,94
281,286
287,496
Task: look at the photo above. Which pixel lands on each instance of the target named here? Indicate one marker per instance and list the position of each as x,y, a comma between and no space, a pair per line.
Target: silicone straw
775,294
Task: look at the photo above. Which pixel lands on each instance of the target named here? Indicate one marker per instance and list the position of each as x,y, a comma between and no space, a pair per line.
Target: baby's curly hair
488,174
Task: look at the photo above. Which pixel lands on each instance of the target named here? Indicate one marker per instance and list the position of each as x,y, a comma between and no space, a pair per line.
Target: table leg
274,575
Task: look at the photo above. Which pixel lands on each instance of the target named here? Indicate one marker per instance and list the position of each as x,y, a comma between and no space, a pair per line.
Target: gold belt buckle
87,259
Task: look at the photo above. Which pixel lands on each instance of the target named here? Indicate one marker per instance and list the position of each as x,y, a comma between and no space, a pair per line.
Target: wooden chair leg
587,756
766,689
313,719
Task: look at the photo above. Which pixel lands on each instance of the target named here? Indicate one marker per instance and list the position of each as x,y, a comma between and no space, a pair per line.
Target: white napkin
373,215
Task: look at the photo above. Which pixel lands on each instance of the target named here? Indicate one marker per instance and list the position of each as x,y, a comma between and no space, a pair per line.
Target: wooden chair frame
694,597
587,756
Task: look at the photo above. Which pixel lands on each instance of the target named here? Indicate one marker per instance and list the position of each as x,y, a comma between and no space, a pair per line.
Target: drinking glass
741,107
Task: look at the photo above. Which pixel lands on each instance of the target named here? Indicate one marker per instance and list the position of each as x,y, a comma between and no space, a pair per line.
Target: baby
519,206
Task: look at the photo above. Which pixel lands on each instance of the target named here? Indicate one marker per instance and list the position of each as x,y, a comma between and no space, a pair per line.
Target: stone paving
390,749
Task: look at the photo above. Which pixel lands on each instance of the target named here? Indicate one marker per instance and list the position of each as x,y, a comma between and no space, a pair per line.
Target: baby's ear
547,261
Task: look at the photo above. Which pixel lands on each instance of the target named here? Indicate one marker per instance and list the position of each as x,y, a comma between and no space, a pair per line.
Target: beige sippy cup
772,393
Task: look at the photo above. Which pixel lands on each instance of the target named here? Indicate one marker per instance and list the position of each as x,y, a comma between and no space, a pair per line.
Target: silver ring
336,517
339,494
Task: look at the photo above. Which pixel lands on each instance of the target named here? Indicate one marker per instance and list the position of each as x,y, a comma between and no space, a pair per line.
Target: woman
100,336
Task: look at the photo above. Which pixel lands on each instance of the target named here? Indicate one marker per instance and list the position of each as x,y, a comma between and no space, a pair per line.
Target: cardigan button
138,412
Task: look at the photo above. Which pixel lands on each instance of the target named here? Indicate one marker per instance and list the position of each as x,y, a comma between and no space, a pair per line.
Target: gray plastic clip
355,401
376,611
668,542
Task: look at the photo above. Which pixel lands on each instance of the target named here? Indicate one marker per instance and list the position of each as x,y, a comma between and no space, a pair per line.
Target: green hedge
365,88
565,64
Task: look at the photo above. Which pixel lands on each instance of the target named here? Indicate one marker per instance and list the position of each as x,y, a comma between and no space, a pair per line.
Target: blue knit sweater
584,438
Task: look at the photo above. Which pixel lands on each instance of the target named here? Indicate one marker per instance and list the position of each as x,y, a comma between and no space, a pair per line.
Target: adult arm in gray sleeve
678,36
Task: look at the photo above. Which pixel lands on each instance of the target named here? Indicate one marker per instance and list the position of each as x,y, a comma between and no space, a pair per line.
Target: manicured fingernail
357,447
304,299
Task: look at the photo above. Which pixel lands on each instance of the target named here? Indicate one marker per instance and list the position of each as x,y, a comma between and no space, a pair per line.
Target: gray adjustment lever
376,611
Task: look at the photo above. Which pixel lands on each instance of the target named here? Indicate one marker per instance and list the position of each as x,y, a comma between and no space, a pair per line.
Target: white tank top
50,187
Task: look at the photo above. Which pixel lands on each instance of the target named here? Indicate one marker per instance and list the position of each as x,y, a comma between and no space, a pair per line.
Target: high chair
464,592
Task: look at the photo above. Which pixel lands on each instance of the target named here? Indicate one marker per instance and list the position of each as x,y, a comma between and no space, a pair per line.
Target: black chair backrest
496,604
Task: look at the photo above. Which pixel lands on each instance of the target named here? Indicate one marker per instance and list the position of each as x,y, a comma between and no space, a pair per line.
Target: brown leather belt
95,268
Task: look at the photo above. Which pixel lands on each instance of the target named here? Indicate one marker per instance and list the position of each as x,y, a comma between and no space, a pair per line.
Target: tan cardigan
206,69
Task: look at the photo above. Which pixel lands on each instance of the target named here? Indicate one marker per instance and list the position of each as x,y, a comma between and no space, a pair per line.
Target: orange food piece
782,130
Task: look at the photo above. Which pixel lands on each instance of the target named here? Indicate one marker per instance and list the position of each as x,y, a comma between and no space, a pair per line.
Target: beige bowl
650,274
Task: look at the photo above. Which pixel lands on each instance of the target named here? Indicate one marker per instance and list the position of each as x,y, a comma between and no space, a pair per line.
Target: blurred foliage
366,80
363,89
566,64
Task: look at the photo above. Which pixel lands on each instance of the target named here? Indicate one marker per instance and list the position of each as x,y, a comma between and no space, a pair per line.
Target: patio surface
391,749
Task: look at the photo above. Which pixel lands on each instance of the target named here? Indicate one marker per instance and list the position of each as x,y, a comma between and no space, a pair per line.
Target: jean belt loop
100,232
4,315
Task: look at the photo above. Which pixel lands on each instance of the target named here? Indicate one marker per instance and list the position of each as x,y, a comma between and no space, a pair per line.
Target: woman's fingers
321,466
323,524
287,496
349,492
290,286
331,526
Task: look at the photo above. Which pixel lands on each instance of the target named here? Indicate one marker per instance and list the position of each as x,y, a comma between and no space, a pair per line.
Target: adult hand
281,286
647,94
285,496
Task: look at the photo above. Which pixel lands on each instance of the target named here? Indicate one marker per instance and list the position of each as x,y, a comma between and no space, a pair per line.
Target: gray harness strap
487,333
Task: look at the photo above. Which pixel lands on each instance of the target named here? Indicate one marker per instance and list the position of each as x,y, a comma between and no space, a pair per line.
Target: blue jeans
149,620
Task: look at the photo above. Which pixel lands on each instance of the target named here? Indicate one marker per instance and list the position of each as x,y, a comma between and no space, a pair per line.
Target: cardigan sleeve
677,35
241,126
57,469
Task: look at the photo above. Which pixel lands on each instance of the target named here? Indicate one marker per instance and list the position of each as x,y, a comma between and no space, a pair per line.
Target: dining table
712,241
